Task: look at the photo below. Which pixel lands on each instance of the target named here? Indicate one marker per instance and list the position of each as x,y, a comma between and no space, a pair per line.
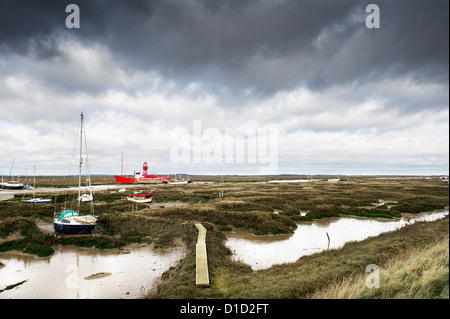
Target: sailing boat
35,200
12,184
70,222
139,197
86,197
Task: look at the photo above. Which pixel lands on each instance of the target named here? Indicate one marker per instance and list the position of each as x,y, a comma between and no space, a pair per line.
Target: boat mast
34,183
81,162
11,172
134,186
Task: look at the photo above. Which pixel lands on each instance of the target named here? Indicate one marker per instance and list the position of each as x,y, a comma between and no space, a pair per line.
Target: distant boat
141,198
85,198
142,178
70,222
12,185
35,200
179,182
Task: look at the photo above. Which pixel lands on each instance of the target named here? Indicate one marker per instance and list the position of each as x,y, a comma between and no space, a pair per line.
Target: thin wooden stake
328,241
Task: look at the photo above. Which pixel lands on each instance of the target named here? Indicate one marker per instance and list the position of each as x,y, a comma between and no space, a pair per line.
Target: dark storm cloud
231,45
26,26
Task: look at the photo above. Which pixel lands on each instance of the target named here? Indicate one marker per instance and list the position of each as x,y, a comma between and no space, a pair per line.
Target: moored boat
12,185
70,222
37,201
142,178
178,182
141,198
85,198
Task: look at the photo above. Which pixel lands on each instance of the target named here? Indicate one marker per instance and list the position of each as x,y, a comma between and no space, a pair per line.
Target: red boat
141,198
144,178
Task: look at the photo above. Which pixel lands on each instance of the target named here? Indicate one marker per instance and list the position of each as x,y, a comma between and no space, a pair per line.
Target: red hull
144,178
124,180
148,179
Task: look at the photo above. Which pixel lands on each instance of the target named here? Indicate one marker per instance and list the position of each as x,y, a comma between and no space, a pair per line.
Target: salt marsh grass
417,273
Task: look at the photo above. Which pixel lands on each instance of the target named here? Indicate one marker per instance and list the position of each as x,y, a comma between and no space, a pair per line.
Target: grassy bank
28,238
310,274
418,273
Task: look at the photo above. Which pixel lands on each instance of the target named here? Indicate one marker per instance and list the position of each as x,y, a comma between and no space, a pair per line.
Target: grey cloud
26,26
231,46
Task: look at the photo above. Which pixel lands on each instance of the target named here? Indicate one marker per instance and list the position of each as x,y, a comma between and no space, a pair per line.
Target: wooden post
328,241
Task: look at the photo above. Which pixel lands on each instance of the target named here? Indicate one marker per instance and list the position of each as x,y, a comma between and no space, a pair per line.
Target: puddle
261,252
75,273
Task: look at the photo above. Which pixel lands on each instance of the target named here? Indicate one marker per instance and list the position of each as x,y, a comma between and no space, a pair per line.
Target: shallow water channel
76,273
261,252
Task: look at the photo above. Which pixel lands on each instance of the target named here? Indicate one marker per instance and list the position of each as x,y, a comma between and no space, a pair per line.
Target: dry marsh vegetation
307,277
416,273
250,203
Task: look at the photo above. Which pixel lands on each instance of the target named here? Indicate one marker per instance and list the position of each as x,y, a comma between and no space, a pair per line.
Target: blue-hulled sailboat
70,222
35,200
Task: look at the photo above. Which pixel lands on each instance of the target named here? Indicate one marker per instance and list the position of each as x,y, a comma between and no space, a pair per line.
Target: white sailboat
12,184
70,222
86,197
141,198
178,181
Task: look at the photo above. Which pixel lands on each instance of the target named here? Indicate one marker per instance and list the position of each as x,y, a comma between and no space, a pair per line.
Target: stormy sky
300,86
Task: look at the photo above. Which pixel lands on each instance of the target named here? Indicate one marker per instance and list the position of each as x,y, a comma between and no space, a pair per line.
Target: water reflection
261,252
63,275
